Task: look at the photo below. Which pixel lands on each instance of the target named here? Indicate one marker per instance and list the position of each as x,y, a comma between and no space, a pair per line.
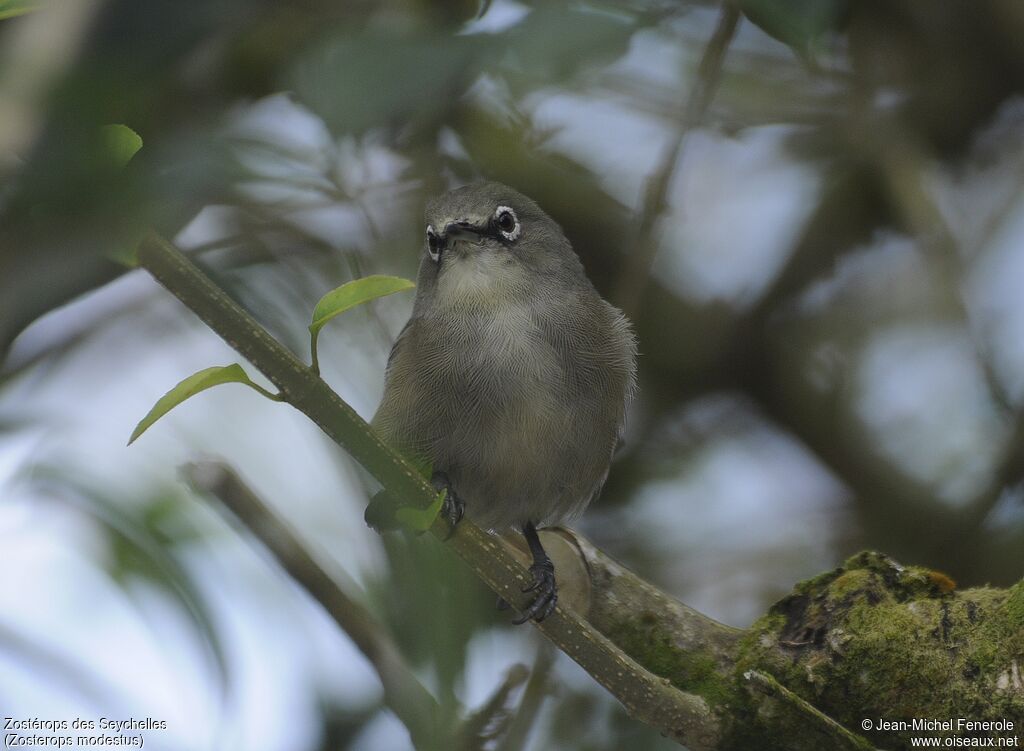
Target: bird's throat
480,280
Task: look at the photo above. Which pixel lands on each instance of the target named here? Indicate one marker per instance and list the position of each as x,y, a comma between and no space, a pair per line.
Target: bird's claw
546,598
452,509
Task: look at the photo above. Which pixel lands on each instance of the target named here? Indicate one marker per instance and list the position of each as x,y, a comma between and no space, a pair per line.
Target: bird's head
488,240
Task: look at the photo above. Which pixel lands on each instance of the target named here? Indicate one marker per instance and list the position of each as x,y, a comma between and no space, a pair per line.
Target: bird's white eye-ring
507,222
433,244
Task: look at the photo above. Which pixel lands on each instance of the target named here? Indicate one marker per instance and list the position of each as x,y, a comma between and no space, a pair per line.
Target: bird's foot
546,596
452,509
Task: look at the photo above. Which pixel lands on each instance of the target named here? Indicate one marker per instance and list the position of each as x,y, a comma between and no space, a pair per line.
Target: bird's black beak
454,231
442,241
459,229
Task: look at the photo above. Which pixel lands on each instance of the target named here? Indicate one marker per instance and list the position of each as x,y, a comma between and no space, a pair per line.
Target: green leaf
421,519
120,142
11,8
349,295
355,293
191,386
801,24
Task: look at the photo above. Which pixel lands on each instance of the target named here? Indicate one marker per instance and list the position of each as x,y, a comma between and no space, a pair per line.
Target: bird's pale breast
503,399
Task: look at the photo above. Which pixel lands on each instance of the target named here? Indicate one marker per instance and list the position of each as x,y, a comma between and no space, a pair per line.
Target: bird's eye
433,244
507,223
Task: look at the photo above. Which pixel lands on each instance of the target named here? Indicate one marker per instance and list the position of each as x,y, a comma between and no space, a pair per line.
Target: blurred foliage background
818,232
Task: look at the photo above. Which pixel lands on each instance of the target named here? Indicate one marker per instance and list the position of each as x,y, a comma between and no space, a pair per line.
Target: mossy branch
842,662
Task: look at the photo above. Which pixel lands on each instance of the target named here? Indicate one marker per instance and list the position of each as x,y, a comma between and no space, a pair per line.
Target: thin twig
841,737
644,246
403,693
533,698
493,717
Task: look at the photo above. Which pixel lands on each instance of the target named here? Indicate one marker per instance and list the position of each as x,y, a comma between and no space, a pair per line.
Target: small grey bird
512,376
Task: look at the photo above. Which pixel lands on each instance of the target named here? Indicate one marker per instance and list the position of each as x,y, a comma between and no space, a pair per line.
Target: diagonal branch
842,640
533,697
683,716
837,737
492,719
403,692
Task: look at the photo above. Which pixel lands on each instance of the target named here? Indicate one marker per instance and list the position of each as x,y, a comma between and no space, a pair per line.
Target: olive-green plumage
512,375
